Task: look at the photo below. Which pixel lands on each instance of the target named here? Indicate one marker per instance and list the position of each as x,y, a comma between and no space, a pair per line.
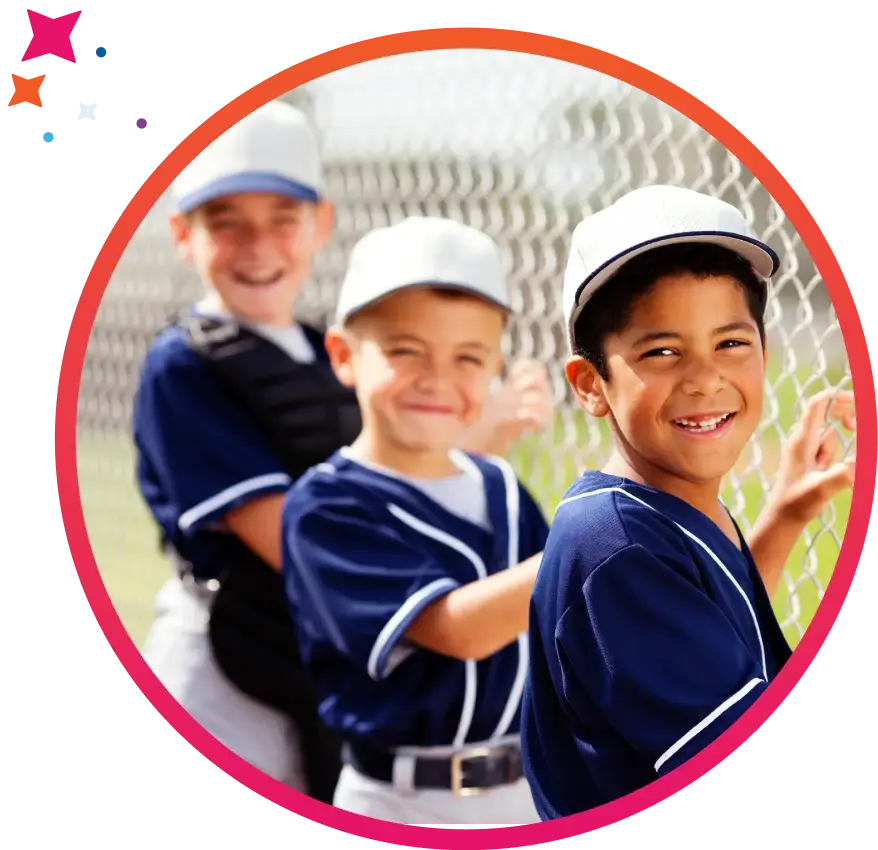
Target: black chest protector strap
306,415
303,409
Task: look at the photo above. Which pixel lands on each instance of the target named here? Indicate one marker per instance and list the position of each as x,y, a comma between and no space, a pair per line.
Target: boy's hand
523,403
520,406
812,470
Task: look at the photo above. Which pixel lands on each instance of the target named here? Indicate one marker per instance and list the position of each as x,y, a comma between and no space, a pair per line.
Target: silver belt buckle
457,761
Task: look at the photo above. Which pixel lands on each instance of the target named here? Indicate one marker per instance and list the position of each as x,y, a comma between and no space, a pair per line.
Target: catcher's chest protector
306,415
305,412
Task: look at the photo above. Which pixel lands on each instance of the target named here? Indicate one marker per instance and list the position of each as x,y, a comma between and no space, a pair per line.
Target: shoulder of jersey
170,350
326,480
327,487
607,519
339,478
582,497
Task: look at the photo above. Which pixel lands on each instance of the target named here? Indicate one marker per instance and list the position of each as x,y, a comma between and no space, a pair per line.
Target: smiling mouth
258,280
429,408
704,424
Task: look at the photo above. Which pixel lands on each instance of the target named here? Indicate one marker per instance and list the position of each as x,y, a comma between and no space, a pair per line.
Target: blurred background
521,147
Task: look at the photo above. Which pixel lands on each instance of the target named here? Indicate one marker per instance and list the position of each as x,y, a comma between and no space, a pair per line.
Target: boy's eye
472,359
733,343
402,352
659,352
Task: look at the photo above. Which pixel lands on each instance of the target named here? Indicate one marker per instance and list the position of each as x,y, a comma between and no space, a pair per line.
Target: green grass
121,530
124,541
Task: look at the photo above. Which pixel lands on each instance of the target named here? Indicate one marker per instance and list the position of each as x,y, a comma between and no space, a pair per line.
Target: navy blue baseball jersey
365,552
200,453
650,634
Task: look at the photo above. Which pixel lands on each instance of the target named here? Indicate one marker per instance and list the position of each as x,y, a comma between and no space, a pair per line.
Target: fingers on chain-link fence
522,148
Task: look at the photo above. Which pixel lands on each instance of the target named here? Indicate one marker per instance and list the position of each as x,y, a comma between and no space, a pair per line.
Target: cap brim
344,315
763,260
246,183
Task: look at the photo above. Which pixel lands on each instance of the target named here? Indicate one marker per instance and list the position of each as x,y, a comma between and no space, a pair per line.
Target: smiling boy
235,401
409,564
651,631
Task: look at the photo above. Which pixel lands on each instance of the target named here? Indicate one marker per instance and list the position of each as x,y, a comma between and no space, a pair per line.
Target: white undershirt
462,495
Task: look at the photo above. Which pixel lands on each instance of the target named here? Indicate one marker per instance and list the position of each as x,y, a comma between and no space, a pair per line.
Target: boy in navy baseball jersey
249,215
236,400
408,564
651,631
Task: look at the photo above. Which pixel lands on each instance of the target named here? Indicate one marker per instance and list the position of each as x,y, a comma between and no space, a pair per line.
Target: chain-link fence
521,147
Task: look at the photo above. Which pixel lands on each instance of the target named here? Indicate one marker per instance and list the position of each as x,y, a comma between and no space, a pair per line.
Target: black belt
468,772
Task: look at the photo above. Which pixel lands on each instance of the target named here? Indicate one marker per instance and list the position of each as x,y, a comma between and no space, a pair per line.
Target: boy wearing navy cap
651,630
409,564
249,215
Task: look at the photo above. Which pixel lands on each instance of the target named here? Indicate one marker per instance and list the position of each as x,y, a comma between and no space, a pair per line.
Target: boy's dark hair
609,310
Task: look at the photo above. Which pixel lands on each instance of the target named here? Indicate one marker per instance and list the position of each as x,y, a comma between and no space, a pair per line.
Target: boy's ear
587,386
340,350
181,231
324,222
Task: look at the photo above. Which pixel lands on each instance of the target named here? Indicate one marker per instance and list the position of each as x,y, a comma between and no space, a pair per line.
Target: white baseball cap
422,251
651,218
271,150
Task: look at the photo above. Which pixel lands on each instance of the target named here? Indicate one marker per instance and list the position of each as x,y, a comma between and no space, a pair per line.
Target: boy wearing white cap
409,564
236,400
651,630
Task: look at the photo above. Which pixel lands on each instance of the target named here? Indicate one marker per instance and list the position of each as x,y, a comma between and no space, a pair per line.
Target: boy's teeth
704,424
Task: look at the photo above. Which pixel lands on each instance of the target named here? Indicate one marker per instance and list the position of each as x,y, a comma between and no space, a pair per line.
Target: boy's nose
258,251
702,377
254,237
433,374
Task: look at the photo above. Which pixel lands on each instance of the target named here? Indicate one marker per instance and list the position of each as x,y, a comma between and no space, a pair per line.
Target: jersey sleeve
656,657
353,581
207,451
